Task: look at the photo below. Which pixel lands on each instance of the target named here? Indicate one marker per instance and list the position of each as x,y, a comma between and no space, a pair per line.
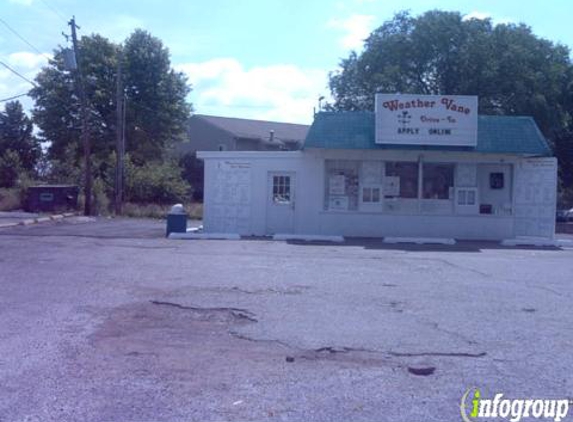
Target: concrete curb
564,243
531,241
38,220
421,240
308,238
205,236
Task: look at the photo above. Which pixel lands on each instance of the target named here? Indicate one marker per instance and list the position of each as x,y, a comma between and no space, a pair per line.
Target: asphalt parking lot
106,320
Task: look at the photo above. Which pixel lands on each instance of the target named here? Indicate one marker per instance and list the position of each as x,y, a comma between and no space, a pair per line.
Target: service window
371,198
401,180
371,188
371,194
438,181
467,201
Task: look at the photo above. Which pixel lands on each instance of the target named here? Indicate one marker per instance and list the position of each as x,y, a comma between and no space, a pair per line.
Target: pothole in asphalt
423,371
212,314
173,337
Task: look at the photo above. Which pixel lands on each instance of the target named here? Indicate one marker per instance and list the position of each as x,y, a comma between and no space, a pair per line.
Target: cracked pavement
105,320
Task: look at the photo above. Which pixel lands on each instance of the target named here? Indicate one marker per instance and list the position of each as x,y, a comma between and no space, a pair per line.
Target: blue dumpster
176,220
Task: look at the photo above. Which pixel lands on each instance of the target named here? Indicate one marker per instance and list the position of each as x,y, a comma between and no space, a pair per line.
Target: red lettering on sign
451,105
394,105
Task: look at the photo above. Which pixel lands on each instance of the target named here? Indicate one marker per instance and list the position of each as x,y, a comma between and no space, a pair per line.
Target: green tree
10,169
156,106
507,66
56,110
512,71
156,98
16,135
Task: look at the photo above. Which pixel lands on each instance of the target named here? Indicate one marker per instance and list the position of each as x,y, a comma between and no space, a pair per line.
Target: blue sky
251,58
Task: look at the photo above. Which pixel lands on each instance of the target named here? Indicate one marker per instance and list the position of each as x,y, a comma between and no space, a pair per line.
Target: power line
24,39
55,11
18,74
13,97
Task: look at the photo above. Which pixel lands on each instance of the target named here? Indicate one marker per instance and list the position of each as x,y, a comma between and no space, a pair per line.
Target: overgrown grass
194,211
10,199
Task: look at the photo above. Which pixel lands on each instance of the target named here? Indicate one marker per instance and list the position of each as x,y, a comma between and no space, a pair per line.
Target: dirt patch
180,351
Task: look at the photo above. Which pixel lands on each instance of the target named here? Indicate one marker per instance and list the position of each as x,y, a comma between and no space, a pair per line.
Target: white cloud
280,92
356,29
28,65
27,60
476,14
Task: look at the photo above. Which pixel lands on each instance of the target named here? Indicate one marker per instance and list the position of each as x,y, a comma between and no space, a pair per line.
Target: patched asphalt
106,320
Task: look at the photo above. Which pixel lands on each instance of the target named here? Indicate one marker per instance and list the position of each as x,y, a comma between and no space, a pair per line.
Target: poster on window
392,186
336,184
338,203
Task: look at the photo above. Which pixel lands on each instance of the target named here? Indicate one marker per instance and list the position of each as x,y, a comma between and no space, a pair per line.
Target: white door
535,195
280,202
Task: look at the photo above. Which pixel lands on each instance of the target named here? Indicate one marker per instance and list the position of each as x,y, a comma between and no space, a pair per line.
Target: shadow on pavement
460,246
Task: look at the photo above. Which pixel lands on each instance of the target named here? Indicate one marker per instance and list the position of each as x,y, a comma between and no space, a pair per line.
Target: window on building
281,190
371,179
401,180
342,187
467,201
467,196
438,181
371,195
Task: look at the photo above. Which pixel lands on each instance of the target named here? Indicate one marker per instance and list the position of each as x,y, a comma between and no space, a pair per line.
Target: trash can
176,220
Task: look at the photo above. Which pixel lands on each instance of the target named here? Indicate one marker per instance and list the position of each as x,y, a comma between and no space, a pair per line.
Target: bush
9,199
194,211
10,169
101,202
158,183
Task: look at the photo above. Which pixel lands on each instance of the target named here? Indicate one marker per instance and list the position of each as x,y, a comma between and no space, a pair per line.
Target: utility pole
120,137
85,136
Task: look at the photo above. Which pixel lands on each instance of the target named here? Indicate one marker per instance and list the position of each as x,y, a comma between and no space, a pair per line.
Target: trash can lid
177,209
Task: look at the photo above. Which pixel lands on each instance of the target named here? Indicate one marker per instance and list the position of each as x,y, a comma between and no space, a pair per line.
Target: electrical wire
55,11
13,97
33,47
18,74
